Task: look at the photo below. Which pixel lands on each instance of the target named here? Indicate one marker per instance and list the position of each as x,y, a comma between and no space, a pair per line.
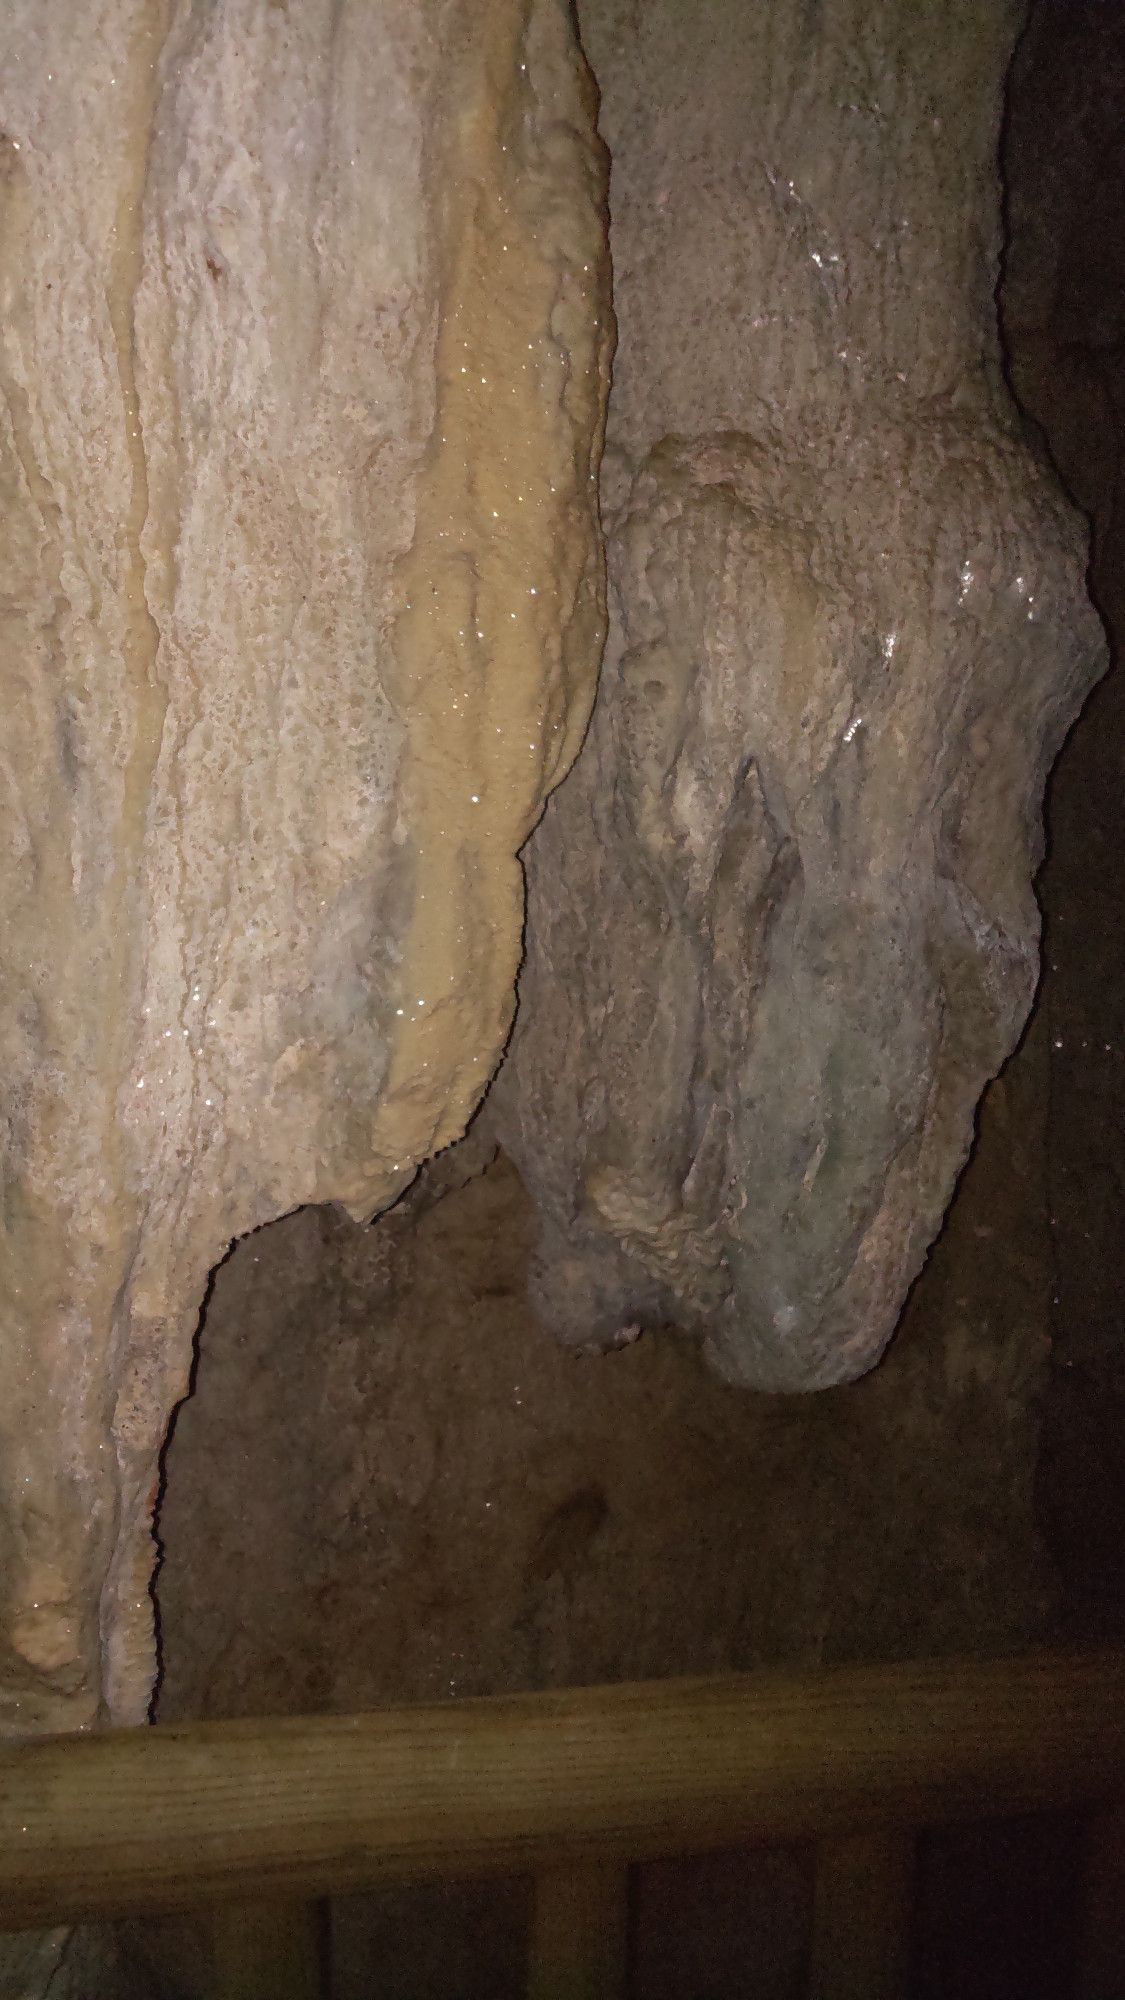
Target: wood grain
171,1818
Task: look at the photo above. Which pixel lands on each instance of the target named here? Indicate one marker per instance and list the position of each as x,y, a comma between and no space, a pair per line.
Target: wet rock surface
781,928
304,355
390,1482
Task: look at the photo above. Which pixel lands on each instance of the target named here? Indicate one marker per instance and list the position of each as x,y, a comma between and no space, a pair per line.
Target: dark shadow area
1063,321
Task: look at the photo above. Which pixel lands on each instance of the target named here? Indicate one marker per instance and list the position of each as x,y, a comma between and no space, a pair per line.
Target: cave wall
304,351
435,1499
304,612
389,1482
781,924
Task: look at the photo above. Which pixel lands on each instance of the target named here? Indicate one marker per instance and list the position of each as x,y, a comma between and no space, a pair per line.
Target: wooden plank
1101,1941
266,1951
176,1817
862,1917
579,1932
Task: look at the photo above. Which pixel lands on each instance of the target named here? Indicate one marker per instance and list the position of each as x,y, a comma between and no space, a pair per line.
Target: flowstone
304,352
781,923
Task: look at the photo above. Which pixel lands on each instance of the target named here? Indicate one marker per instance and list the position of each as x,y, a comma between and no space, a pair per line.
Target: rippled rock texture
781,920
304,349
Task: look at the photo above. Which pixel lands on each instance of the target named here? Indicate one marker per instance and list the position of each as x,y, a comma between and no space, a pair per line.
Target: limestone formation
304,348
781,919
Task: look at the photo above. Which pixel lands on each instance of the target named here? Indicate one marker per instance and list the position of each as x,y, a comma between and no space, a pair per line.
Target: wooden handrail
178,1817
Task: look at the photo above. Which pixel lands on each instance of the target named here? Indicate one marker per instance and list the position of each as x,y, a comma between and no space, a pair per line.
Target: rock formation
781,920
304,349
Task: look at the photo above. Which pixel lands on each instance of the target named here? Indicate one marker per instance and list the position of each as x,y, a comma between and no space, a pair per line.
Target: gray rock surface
304,340
781,922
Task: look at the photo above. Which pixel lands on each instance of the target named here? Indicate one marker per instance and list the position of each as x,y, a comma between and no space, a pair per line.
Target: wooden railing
257,1821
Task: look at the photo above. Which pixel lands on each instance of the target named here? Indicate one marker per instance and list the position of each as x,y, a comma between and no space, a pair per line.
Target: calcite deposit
304,346
781,919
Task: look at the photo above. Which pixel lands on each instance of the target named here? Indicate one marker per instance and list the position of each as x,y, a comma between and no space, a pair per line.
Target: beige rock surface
303,356
781,921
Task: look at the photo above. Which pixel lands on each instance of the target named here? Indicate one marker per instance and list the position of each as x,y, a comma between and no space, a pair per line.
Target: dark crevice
162,1485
